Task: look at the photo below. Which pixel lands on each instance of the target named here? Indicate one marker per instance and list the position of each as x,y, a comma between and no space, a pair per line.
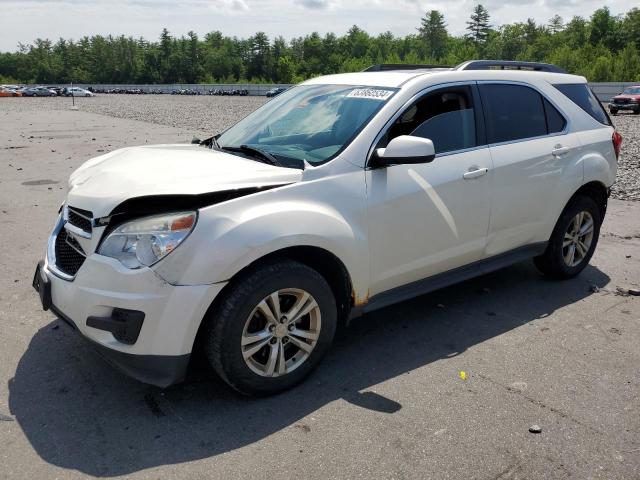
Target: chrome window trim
462,150
426,90
408,103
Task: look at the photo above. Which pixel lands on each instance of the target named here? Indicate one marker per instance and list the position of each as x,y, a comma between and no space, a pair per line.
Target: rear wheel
272,328
573,240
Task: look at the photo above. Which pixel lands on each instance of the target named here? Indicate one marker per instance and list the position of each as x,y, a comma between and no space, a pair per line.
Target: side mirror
402,150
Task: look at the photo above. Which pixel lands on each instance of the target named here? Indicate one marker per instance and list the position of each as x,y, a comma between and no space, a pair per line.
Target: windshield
632,91
308,122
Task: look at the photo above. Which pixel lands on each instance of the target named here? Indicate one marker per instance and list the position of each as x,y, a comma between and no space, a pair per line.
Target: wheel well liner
596,191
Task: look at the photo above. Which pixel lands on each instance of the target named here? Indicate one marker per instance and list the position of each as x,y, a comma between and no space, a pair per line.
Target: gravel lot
388,402
202,114
212,114
627,186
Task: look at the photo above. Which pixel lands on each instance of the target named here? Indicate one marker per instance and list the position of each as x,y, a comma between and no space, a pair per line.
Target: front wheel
271,328
573,240
613,111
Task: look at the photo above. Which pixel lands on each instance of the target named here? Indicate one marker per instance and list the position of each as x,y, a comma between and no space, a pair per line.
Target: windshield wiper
264,155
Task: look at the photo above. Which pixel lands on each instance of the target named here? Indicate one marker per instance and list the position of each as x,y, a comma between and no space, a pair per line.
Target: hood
630,96
102,183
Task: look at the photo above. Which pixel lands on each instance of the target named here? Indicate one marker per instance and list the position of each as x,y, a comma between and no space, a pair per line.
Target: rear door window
512,112
581,95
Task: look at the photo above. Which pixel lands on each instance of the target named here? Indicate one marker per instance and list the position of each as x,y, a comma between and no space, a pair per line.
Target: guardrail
604,91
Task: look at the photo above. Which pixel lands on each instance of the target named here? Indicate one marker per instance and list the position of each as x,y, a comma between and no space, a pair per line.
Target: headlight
144,241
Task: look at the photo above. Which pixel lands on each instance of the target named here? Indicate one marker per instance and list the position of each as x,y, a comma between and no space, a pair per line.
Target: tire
554,262
238,316
636,112
613,112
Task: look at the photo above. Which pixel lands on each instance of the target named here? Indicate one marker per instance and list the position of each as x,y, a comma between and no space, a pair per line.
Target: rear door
534,154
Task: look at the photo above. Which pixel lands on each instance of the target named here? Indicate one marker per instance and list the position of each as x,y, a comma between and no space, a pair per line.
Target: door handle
478,172
559,150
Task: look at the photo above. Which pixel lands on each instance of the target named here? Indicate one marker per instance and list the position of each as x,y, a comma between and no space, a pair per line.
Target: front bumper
160,352
624,106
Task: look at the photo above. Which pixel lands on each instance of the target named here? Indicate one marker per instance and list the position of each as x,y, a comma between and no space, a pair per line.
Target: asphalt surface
388,402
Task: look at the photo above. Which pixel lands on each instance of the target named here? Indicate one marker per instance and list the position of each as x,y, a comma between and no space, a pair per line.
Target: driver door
429,218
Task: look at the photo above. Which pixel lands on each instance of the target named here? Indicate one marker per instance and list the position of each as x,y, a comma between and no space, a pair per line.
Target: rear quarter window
555,120
581,95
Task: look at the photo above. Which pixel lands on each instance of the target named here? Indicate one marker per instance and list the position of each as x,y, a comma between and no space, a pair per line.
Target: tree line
602,48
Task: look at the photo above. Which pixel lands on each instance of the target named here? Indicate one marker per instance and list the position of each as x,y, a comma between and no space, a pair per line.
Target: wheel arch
597,191
327,264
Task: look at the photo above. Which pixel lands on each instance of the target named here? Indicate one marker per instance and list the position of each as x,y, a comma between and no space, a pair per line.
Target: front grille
80,218
69,253
621,100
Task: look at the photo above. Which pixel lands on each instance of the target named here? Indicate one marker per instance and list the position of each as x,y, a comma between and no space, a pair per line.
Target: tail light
616,138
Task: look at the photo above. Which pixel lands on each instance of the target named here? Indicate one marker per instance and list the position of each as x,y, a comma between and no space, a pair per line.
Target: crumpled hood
102,183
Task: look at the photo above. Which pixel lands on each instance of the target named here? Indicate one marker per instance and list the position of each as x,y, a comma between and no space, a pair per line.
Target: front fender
231,236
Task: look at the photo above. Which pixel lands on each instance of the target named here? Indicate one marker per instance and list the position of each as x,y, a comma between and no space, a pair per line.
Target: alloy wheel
281,332
577,239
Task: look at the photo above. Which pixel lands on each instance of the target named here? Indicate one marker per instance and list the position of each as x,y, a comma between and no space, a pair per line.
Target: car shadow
79,413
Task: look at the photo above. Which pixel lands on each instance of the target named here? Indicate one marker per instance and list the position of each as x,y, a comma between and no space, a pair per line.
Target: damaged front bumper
138,322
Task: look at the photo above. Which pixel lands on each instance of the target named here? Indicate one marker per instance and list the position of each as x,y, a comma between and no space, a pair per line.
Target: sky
25,20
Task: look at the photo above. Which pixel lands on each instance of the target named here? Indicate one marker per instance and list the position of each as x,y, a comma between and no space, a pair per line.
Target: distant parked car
8,92
38,92
10,87
629,99
77,92
274,92
56,90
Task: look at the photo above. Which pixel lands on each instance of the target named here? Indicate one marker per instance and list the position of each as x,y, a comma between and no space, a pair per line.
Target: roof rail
509,65
386,67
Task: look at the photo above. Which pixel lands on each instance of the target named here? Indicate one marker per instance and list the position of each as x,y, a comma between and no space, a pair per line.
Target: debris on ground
535,429
303,427
627,291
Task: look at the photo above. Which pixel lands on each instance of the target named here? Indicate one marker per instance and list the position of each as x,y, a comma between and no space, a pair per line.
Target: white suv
344,194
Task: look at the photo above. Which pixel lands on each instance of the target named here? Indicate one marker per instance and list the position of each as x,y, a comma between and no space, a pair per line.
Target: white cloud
314,4
25,20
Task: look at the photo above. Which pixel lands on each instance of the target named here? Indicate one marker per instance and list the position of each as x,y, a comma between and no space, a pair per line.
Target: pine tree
478,25
433,31
556,24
